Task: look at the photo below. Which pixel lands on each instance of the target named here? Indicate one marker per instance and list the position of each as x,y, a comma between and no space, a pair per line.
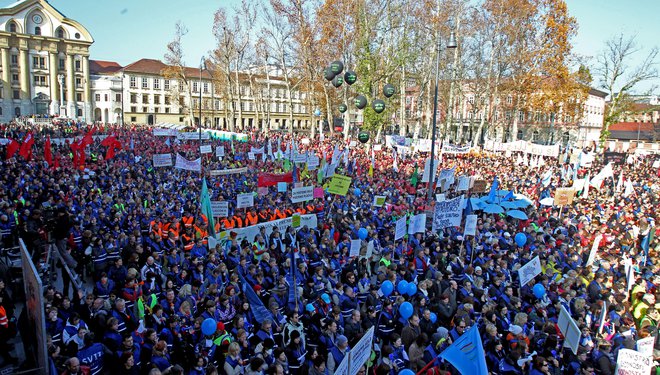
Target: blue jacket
92,356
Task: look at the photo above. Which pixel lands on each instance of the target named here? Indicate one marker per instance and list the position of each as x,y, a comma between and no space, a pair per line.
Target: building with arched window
44,61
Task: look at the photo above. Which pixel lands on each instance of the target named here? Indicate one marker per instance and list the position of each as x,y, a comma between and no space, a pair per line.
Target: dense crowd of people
138,235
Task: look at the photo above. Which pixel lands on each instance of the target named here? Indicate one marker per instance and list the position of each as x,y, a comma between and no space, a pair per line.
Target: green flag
205,201
287,165
413,179
320,175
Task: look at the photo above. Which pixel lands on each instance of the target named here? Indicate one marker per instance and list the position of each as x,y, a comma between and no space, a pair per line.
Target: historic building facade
44,58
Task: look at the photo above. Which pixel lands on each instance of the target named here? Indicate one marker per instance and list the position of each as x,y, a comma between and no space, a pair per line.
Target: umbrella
493,209
502,193
524,198
509,205
519,204
517,214
549,201
476,203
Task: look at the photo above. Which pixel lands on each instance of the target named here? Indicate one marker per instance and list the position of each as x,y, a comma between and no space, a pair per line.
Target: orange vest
156,228
4,322
301,210
252,219
229,223
187,242
188,221
165,230
239,221
280,214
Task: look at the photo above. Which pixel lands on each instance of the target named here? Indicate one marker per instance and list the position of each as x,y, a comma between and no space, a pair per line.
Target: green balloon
337,67
328,74
378,106
360,101
388,90
363,137
343,107
338,80
350,77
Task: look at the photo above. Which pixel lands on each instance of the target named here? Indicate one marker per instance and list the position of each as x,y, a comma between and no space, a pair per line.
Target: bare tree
176,69
618,79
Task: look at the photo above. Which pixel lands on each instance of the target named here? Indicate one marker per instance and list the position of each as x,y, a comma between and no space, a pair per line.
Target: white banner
220,151
165,132
300,158
250,232
594,250
361,352
302,194
162,160
191,136
257,150
224,172
312,162
529,271
355,248
220,208
447,214
400,229
470,225
427,169
245,200
189,165
523,146
630,362
452,149
645,346
417,224
569,329
205,149
463,183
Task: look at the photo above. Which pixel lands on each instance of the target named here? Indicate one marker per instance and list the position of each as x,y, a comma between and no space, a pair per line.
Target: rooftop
103,67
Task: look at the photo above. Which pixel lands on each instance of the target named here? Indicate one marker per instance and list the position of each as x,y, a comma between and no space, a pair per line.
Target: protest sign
470,225
569,329
251,156
302,194
463,183
479,186
379,200
220,208
312,162
245,200
439,197
281,187
295,220
630,362
417,224
447,214
189,165
257,150
339,185
162,160
205,149
355,248
564,196
645,346
529,271
594,249
618,158
318,192
224,172
400,229
427,170
165,132
261,191
361,352
343,366
447,175
192,136
300,158
220,151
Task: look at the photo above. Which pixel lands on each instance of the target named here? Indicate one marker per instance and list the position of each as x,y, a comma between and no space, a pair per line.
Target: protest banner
447,214
248,233
220,208
618,158
470,225
245,200
189,165
205,149
319,192
271,179
417,224
295,220
439,197
281,187
355,248
631,362
564,196
569,329
379,200
165,132
645,346
302,194
339,185
529,271
400,229
192,136
220,151
312,162
479,186
453,149
594,249
343,367
463,183
162,160
361,352
300,158
427,169
224,172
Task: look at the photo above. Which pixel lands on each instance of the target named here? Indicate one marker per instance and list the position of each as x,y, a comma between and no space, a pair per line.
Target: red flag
26,147
271,179
112,144
12,147
48,153
87,139
108,141
78,153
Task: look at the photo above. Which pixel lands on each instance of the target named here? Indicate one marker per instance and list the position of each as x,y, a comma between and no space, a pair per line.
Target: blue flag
205,201
257,307
468,208
509,196
492,195
467,353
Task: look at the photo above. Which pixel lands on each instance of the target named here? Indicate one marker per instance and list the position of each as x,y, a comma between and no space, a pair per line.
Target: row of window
59,33
40,62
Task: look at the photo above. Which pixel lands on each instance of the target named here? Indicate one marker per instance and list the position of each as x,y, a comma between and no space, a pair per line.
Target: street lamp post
60,80
451,44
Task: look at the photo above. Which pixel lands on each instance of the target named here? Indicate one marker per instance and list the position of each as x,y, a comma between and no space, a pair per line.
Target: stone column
6,77
25,75
87,112
53,83
70,88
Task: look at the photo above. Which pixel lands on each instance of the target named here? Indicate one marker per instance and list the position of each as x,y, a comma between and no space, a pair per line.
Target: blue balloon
209,326
402,287
521,239
406,310
411,289
434,318
538,290
363,233
357,192
387,288
406,372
